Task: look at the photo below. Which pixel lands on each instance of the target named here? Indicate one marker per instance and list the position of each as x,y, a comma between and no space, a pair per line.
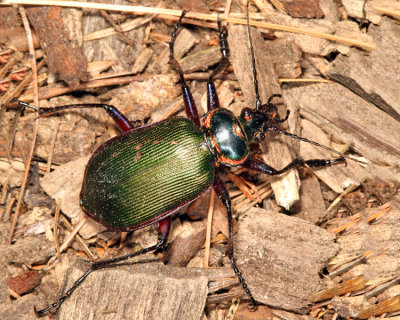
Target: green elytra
145,174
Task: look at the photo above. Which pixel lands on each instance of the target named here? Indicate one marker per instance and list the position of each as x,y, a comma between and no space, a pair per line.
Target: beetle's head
259,120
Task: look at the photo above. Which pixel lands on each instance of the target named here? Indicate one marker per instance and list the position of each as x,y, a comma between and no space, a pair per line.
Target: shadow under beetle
145,174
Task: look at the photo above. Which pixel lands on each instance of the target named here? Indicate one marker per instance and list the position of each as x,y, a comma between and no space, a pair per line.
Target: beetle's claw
252,306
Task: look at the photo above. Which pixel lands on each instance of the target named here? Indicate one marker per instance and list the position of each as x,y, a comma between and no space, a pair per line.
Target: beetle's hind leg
163,230
120,119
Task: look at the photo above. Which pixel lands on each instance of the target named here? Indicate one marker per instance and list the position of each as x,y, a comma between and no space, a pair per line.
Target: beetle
145,174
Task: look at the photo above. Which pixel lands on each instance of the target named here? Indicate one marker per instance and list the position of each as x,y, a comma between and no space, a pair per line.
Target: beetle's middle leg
260,166
190,106
163,230
122,121
222,192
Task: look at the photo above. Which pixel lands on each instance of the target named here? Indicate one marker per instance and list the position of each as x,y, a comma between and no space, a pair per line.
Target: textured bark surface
281,257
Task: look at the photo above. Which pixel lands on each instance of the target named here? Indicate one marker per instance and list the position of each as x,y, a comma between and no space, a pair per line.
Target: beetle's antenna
253,60
341,155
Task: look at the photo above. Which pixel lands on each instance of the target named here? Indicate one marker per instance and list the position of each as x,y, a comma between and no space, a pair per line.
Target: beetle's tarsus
24,104
252,306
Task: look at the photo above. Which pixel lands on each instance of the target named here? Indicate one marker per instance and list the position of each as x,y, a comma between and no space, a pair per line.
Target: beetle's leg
275,95
123,123
222,192
163,231
212,98
260,166
190,106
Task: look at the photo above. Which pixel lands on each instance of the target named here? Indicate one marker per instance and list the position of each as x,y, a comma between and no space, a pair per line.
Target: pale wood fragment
354,8
286,57
142,61
184,41
201,60
30,250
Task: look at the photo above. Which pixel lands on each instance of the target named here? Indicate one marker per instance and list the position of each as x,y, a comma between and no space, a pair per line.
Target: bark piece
16,37
286,57
63,58
29,250
276,152
142,61
312,206
24,282
185,246
376,72
201,60
281,256
142,291
303,9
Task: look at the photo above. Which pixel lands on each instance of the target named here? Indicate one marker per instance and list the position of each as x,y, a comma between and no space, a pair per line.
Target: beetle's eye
246,112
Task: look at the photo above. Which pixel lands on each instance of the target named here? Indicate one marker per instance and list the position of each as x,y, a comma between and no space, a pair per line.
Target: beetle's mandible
145,174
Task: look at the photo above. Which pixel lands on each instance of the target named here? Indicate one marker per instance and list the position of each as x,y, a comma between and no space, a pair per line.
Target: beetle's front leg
122,122
260,166
222,192
190,106
212,97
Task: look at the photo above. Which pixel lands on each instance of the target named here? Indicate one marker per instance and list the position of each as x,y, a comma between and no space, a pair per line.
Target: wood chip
30,250
62,57
312,206
281,256
142,291
142,61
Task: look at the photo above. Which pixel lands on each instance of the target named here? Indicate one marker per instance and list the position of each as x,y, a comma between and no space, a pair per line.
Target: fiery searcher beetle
145,174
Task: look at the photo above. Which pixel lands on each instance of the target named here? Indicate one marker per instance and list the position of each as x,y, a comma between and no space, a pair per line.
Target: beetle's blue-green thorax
145,174
225,137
